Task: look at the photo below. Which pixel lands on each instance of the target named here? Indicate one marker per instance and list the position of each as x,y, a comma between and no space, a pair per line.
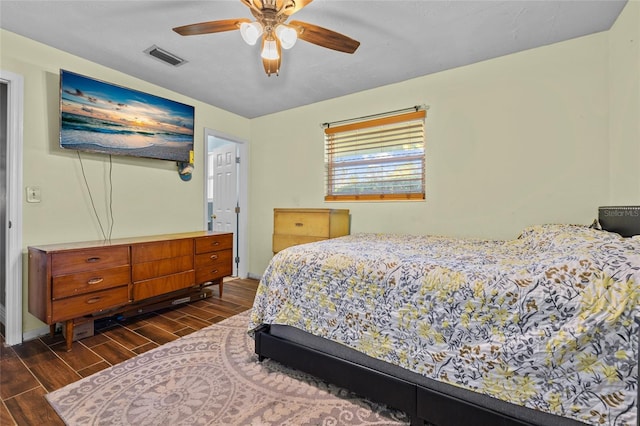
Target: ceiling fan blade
292,6
324,37
210,27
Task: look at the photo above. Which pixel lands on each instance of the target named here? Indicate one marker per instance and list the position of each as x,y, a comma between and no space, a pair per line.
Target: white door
224,198
228,180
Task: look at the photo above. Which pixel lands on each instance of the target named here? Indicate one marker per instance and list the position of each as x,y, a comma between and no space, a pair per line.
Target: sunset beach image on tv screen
101,117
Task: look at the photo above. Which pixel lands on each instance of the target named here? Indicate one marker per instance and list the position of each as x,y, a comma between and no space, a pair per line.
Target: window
379,159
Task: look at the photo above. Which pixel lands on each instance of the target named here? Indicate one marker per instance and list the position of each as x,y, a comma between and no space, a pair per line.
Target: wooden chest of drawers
298,226
70,281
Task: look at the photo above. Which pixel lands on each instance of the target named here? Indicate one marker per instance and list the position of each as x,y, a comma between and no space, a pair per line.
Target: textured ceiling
399,40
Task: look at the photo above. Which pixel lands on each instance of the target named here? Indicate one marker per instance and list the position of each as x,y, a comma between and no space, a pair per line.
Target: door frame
243,175
13,300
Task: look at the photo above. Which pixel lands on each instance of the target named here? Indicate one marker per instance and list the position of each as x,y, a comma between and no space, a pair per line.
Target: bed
539,330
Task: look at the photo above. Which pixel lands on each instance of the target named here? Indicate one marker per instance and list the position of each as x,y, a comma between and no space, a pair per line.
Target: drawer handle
299,223
215,243
94,281
93,300
215,271
214,256
93,259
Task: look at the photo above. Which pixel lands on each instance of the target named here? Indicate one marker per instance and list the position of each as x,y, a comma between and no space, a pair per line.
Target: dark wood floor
32,369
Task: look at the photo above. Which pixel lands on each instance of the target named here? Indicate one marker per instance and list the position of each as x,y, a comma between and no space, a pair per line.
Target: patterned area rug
212,377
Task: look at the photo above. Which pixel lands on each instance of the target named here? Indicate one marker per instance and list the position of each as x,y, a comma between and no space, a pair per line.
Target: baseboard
28,335
35,333
254,276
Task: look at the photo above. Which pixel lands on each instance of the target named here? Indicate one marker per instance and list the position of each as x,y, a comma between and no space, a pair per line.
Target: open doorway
11,104
4,88
225,198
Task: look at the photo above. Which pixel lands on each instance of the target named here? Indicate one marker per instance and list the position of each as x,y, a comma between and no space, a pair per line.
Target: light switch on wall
33,194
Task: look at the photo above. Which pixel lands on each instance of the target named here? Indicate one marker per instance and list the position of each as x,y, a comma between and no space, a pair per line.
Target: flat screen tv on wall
105,118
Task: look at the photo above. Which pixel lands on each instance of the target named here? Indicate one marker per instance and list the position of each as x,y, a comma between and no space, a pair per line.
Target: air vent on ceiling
165,56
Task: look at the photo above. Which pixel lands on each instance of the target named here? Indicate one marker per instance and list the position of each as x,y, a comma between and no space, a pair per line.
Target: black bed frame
419,403
422,405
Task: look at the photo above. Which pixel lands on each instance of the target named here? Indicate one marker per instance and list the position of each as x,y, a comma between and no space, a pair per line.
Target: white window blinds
380,159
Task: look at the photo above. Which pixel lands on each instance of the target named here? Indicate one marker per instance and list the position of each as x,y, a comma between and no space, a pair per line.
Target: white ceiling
399,40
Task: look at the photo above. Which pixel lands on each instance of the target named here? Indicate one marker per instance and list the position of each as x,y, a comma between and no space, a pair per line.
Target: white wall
624,106
511,142
148,195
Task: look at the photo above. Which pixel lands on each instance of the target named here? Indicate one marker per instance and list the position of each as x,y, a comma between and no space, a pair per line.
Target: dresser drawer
89,260
157,268
299,226
77,306
213,259
85,282
148,252
213,266
162,285
213,273
301,223
214,243
281,242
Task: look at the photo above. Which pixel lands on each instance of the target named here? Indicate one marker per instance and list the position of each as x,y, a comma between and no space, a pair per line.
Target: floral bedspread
544,321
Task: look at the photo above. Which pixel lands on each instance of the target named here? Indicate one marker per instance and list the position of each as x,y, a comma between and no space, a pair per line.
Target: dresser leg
69,330
52,329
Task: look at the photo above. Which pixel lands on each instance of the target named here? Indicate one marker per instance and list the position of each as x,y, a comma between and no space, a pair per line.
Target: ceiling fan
271,16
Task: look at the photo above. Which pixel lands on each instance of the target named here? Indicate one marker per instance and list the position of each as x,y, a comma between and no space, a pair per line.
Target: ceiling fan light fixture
270,50
251,32
286,35
269,26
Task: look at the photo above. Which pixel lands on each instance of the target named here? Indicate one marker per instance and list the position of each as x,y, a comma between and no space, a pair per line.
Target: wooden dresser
76,282
299,226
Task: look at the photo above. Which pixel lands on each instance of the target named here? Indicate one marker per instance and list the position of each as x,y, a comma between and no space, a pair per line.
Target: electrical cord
95,211
110,195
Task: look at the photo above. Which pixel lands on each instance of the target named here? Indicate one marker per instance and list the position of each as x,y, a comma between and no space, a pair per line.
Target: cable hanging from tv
110,222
